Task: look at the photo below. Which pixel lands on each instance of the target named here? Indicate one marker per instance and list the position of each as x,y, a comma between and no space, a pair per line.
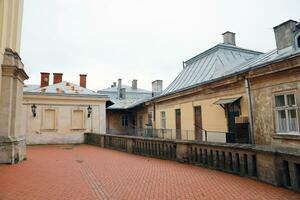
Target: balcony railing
172,134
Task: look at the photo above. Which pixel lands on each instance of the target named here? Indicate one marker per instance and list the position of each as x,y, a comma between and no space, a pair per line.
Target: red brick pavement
87,172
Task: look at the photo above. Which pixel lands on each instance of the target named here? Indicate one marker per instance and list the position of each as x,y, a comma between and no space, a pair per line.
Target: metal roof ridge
203,54
219,46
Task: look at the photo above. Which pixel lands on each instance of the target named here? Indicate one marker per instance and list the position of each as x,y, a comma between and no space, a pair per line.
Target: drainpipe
250,108
154,119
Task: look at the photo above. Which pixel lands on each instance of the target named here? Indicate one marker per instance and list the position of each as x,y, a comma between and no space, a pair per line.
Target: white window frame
286,108
163,120
124,118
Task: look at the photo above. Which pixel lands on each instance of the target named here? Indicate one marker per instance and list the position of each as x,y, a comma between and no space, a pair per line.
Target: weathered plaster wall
264,89
65,130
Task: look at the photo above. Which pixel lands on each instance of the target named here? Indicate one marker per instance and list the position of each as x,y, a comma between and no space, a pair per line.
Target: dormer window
298,41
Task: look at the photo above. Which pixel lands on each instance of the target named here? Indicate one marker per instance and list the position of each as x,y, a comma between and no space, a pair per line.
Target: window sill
287,136
50,130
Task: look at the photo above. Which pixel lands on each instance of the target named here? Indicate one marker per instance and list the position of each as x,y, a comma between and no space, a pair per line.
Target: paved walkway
87,172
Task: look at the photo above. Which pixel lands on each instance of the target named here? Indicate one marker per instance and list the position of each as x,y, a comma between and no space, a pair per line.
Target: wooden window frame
124,118
286,108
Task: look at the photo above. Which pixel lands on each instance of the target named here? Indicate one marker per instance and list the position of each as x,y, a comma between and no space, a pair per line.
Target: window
49,119
163,120
77,119
149,118
286,113
298,41
124,120
141,122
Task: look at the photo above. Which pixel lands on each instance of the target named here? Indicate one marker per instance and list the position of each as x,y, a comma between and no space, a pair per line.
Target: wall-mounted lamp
33,110
89,109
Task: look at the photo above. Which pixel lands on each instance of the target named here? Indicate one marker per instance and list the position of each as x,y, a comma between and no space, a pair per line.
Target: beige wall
213,116
69,113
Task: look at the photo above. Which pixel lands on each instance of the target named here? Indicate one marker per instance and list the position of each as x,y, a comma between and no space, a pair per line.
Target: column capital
13,66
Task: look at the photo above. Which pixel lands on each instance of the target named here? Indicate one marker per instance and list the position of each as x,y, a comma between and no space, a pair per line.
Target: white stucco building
61,113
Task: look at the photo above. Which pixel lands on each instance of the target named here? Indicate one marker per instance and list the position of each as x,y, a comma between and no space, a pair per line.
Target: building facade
120,118
232,94
61,113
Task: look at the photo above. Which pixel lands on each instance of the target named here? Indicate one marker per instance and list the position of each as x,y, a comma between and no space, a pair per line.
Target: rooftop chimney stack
123,93
44,79
114,84
134,84
119,88
285,35
82,81
229,38
57,78
157,87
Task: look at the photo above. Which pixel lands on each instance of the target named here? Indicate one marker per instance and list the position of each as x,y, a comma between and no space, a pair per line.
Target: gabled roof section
63,89
133,97
127,87
209,65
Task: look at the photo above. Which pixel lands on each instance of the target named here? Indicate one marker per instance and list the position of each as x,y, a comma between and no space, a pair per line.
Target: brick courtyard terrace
83,172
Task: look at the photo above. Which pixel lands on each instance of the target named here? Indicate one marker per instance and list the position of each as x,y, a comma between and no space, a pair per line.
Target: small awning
109,103
225,101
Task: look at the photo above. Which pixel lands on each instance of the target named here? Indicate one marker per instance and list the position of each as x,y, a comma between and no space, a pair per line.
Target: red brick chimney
83,80
57,78
44,79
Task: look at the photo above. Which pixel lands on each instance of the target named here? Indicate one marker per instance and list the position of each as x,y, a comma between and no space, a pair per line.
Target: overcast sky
139,39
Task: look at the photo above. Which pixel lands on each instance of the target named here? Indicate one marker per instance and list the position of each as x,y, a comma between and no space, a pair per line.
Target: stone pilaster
12,137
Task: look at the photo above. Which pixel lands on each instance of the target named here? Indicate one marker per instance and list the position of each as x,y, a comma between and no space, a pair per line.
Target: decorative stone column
12,137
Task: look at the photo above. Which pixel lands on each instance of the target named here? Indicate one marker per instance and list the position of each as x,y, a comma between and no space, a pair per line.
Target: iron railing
172,134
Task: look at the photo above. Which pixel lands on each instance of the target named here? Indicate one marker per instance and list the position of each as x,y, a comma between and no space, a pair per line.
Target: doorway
178,123
198,123
233,110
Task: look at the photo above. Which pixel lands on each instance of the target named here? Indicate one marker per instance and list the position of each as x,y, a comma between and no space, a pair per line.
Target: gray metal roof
262,60
61,89
133,97
209,65
128,88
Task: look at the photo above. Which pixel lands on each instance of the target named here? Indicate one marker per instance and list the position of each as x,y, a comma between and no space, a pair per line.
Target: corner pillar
12,136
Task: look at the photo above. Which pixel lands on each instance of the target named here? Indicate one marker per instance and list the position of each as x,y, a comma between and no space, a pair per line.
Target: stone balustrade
276,166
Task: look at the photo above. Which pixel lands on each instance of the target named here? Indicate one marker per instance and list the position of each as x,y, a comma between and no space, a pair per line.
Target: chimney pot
229,38
114,84
57,78
119,88
134,84
157,87
123,93
83,80
44,79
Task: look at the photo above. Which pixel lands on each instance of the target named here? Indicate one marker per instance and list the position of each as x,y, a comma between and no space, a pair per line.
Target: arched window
298,41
